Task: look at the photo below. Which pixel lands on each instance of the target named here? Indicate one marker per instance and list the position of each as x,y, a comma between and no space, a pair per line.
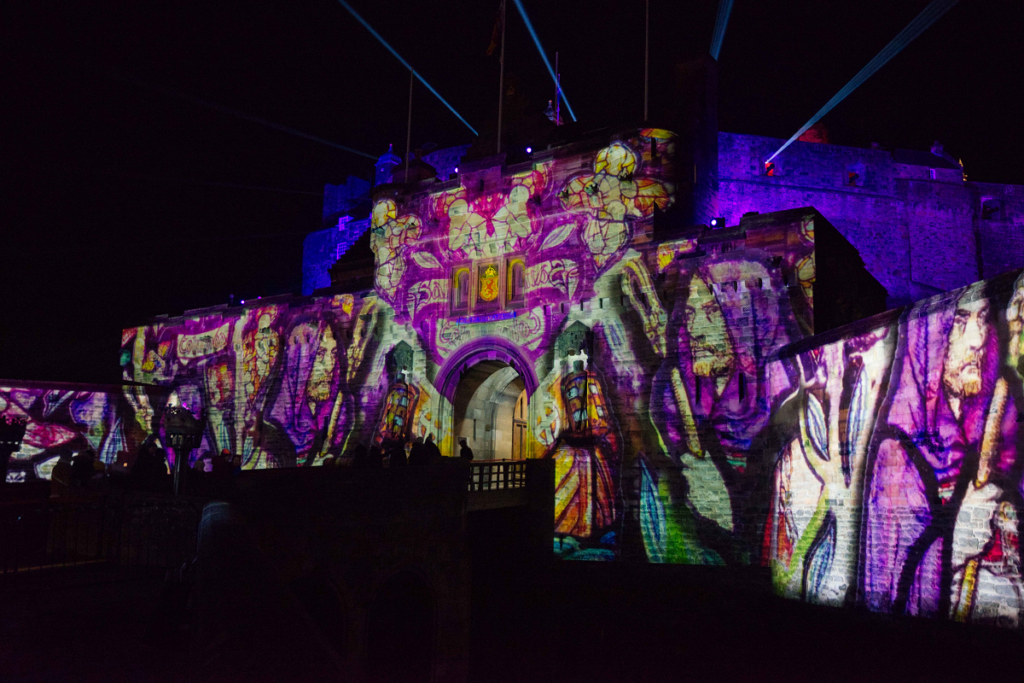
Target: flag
496,33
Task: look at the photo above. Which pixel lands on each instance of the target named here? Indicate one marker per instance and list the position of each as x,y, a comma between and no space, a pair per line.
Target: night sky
120,202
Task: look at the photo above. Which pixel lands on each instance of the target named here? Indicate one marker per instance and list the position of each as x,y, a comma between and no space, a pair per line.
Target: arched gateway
487,384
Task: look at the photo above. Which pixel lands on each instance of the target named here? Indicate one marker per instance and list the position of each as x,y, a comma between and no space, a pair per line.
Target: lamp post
12,431
184,433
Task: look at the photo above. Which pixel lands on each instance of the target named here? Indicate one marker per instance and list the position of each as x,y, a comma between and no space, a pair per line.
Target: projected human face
965,354
710,348
319,388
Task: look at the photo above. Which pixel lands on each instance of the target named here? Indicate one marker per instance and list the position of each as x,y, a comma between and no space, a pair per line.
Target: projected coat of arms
488,288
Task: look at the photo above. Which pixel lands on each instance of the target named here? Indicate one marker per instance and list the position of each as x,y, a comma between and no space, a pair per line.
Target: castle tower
386,166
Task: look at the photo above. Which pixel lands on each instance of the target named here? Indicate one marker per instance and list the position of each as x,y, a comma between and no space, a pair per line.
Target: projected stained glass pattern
688,417
899,479
69,419
612,197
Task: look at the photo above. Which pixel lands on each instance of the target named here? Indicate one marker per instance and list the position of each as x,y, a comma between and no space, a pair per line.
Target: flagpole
408,128
647,49
501,78
558,94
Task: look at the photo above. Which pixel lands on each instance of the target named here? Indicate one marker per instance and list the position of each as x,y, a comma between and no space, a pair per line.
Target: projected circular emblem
489,284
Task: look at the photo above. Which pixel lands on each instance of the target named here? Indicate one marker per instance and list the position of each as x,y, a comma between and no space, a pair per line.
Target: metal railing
494,475
106,538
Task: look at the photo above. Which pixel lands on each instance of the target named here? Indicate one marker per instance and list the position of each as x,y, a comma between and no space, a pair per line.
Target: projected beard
710,349
961,374
319,387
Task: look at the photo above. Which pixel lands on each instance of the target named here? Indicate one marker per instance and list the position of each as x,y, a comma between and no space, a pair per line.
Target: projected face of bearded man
965,355
710,347
319,386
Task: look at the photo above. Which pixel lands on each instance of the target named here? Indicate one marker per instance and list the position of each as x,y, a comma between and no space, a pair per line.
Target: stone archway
484,409
503,381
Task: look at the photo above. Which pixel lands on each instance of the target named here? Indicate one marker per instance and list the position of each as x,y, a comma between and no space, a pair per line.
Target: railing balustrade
494,475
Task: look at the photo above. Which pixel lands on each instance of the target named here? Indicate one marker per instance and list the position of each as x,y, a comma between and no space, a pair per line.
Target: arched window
460,290
515,290
991,209
855,175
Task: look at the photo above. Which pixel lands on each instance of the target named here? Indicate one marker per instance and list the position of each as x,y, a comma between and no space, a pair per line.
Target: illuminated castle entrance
487,383
490,410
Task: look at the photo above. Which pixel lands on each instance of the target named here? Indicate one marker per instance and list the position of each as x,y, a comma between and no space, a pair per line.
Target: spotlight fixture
529,150
769,168
718,222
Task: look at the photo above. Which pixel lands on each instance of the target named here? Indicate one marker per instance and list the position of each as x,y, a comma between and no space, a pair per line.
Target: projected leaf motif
426,260
858,417
558,235
816,426
708,494
820,556
652,517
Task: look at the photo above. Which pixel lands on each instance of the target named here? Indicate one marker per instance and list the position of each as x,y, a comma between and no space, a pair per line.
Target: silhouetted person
149,473
195,475
220,465
162,479
235,463
433,452
82,469
376,458
419,456
465,452
60,478
396,455
360,457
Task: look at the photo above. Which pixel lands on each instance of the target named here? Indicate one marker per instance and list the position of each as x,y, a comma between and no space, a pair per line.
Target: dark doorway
400,642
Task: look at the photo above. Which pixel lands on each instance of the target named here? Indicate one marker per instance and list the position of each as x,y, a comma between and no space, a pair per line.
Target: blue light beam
536,41
404,63
168,92
724,9
926,18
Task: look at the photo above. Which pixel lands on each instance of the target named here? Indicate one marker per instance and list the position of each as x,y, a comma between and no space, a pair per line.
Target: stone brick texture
919,228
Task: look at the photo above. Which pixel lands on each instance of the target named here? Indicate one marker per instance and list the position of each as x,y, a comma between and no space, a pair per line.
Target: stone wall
353,531
915,221
1001,236
321,249
895,478
64,417
670,377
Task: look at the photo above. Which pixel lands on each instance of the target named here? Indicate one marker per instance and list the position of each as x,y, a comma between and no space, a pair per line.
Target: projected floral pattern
68,419
611,197
492,223
688,419
391,235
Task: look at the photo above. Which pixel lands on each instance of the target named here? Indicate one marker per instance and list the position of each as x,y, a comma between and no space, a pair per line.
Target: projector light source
928,16
718,222
529,150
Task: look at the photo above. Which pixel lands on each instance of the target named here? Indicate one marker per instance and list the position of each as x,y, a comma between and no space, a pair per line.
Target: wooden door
519,426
